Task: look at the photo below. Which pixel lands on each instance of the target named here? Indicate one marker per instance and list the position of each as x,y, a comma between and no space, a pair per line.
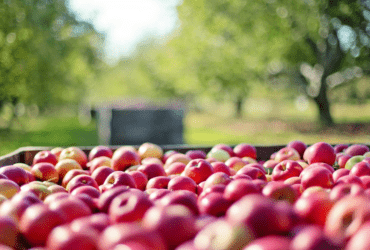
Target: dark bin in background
135,121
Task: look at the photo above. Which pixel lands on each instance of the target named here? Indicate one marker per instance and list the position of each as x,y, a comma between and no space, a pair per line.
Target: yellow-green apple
89,190
106,198
279,191
182,183
65,165
152,170
8,188
353,160
245,150
99,162
37,222
287,154
224,147
74,153
123,158
177,157
299,146
140,179
317,176
320,152
16,174
270,242
175,168
45,156
81,180
214,203
286,169
180,197
71,208
347,216
23,165
356,149
198,170
129,207
63,238
196,154
71,174
158,182
160,219
100,151
100,174
218,154
9,232
117,178
45,171
236,189
223,235
148,149
342,190
219,166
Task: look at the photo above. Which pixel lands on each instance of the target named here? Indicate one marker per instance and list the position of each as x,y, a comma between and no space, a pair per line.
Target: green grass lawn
204,129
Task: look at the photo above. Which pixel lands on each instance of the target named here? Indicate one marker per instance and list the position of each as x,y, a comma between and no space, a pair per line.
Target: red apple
16,174
71,174
342,160
213,204
118,178
156,194
175,168
167,154
98,222
356,149
278,190
350,179
360,240
45,156
101,161
152,170
56,151
235,163
299,146
101,174
71,208
158,182
81,180
8,188
293,180
9,232
286,169
140,179
224,147
236,189
176,157
106,198
339,148
74,153
269,166
38,188
45,171
99,151
270,242
245,150
180,197
287,153
320,152
65,165
92,191
253,172
182,183
196,154
342,190
219,166
123,158
360,169
317,176
198,170
339,173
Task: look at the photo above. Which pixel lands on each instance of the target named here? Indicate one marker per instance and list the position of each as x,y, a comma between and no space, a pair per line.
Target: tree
47,57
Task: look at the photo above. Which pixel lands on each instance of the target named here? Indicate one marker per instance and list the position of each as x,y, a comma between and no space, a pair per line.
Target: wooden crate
26,154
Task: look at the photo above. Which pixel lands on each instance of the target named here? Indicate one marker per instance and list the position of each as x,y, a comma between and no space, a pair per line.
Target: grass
280,126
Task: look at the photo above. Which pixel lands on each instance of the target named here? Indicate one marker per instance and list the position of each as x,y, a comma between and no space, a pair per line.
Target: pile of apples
302,198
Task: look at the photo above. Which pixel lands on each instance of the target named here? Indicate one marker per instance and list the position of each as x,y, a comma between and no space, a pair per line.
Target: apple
356,149
56,151
45,171
339,173
175,168
9,232
317,176
299,146
236,189
156,194
71,208
167,154
160,219
347,216
342,160
214,203
360,169
56,196
180,197
196,154
287,154
37,222
118,178
198,170
63,238
339,148
224,147
98,222
65,165
217,179
100,174
270,242
218,154
286,169
235,163
219,166
158,182
182,183
293,180
176,157
81,180
278,191
320,152
71,174
16,174
140,179
350,179
101,161
150,160
8,188
74,153
56,189
219,188
269,166
45,156
365,181
129,207
353,160
344,189
360,240
123,158
148,149
100,151
38,188
106,198
245,150
253,172
86,189
152,170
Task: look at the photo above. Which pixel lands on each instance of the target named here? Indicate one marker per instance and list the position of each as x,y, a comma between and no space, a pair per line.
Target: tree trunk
239,106
323,105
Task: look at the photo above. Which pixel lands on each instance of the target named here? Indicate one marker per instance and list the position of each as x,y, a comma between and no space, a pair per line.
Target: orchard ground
279,126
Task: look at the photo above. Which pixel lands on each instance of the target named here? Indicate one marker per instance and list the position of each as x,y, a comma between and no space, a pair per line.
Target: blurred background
74,72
